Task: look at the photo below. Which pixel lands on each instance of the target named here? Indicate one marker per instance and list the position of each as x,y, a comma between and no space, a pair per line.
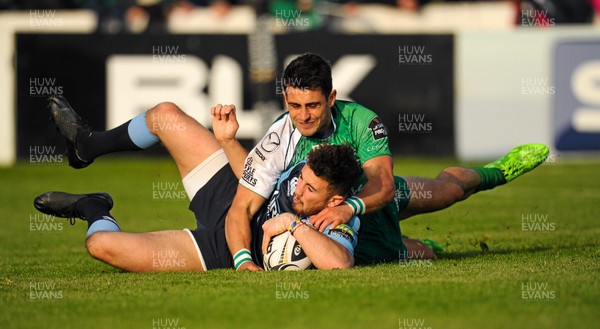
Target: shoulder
352,109
283,117
360,120
292,172
355,115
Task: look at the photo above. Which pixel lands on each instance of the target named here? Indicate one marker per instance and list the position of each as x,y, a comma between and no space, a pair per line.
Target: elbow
344,264
347,264
339,264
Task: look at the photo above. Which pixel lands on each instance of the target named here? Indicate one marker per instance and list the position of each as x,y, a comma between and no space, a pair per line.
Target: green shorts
379,236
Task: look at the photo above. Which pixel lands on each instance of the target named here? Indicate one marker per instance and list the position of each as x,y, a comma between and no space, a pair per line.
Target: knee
163,115
452,186
98,246
451,173
454,192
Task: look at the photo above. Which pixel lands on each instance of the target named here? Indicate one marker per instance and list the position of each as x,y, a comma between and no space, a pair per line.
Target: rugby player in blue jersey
324,180
314,117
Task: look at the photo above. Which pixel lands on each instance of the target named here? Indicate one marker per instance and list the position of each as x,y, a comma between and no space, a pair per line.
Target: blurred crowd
117,15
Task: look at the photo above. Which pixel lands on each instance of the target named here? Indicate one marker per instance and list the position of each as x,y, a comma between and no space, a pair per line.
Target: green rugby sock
490,178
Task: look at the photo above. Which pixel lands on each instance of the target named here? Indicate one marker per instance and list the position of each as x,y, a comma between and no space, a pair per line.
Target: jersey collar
331,130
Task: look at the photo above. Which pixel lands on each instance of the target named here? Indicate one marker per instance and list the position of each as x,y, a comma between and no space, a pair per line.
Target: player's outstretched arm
379,189
323,252
225,126
237,224
374,195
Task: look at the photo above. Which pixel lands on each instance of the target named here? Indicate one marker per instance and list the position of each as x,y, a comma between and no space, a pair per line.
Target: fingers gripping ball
284,253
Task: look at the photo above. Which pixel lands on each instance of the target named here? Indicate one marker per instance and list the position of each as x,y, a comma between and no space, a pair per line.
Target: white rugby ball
284,253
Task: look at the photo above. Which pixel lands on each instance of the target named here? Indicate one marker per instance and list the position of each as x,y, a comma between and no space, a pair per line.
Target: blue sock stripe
139,133
105,224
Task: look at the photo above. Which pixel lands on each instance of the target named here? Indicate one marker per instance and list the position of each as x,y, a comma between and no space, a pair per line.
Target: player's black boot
67,205
69,123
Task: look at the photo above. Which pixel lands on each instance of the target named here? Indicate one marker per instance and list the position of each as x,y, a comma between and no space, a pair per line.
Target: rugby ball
284,253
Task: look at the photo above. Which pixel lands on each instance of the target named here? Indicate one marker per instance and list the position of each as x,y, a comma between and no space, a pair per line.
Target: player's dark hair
336,164
308,71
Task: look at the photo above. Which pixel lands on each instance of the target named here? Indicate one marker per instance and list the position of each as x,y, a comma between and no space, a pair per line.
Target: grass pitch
523,255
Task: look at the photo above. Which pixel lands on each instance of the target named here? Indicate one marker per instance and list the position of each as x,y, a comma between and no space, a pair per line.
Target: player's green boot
520,160
436,247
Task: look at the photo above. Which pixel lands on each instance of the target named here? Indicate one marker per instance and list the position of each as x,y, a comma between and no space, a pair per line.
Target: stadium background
488,75
467,79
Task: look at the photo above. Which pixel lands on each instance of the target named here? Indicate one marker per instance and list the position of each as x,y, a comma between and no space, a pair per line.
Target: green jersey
284,146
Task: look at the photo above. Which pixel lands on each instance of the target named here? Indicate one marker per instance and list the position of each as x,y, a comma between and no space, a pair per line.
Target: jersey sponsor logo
375,148
248,174
343,231
260,155
378,130
271,142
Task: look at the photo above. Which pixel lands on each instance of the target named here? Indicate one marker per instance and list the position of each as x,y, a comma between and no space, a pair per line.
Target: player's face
310,110
312,194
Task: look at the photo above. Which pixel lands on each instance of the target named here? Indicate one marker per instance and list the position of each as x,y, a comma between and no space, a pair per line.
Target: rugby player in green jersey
314,116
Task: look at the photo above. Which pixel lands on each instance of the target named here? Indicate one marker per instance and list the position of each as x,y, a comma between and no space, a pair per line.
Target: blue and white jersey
283,146
281,201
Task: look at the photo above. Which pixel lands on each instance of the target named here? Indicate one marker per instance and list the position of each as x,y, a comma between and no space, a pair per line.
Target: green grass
465,288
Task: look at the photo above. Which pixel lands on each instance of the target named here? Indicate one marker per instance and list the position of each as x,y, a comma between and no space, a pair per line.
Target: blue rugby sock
103,224
133,135
98,217
139,133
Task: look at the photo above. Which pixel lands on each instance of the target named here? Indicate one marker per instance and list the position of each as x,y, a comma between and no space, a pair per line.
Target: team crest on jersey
378,130
292,184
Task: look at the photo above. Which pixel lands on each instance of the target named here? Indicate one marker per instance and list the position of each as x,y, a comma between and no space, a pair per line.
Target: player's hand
249,266
225,124
335,216
275,226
